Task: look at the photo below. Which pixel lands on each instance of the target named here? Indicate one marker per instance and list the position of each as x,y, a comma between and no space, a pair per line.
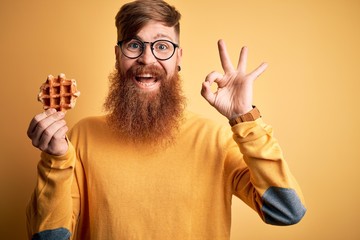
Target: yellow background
309,93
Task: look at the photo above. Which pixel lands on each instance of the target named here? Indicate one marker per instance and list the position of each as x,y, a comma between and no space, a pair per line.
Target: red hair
135,15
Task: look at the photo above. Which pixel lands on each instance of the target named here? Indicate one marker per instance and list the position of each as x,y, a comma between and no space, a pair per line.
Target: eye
162,46
134,45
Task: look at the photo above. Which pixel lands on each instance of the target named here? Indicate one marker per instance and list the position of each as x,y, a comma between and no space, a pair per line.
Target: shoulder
89,124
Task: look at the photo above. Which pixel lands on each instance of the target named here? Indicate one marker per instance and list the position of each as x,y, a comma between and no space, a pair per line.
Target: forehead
156,30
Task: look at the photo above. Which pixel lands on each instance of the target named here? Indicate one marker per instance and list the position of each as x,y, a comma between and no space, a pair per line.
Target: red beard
145,117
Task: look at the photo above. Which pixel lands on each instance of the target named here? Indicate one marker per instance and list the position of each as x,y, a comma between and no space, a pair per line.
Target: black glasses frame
143,45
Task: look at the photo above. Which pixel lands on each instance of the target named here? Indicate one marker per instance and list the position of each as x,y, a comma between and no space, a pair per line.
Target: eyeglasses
161,49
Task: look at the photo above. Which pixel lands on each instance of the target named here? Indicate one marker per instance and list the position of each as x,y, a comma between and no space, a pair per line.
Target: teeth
146,79
145,76
147,84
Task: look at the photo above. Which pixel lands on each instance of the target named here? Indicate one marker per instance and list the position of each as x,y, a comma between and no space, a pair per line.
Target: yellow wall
310,92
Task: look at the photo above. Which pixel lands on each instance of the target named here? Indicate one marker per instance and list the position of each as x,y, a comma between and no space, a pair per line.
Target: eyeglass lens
161,49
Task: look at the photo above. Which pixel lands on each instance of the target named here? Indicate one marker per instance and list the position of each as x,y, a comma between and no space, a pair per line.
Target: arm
266,184
54,205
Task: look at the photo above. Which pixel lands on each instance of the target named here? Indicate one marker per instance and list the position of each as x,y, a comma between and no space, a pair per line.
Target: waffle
59,93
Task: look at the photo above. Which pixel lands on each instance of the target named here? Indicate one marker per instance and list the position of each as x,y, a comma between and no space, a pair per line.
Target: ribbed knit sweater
106,187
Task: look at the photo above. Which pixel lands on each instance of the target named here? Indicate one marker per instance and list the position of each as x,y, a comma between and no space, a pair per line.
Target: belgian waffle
59,93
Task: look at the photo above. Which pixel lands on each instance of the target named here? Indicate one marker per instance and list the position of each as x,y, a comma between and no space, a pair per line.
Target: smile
146,81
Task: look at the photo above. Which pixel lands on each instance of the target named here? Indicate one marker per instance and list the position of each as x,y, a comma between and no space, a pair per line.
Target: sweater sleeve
266,183
54,205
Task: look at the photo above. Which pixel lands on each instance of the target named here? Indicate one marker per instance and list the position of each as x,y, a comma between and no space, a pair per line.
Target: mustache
153,70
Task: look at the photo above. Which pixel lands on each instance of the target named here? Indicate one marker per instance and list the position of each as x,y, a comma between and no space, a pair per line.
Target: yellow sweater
106,188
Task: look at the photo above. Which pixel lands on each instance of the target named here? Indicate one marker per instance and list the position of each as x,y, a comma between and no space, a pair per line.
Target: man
149,169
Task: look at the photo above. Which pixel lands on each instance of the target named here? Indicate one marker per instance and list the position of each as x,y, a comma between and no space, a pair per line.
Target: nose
147,56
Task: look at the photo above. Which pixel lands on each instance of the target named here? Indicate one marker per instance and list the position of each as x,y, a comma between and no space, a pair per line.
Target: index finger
37,119
224,57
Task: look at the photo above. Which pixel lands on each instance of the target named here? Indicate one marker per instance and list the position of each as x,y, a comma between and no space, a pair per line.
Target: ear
117,52
179,57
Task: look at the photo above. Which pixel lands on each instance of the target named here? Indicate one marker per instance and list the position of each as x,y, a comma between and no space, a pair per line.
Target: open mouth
146,80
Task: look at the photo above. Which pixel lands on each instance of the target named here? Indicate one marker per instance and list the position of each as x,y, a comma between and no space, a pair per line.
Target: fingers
258,71
213,77
37,119
206,91
55,131
224,57
46,126
242,64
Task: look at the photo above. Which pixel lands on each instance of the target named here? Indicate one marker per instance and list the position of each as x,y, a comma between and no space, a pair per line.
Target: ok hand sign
234,94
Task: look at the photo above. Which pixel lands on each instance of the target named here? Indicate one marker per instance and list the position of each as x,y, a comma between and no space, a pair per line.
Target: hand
47,131
234,94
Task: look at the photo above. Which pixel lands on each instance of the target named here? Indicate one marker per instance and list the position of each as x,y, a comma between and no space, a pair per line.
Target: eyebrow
157,36
160,35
